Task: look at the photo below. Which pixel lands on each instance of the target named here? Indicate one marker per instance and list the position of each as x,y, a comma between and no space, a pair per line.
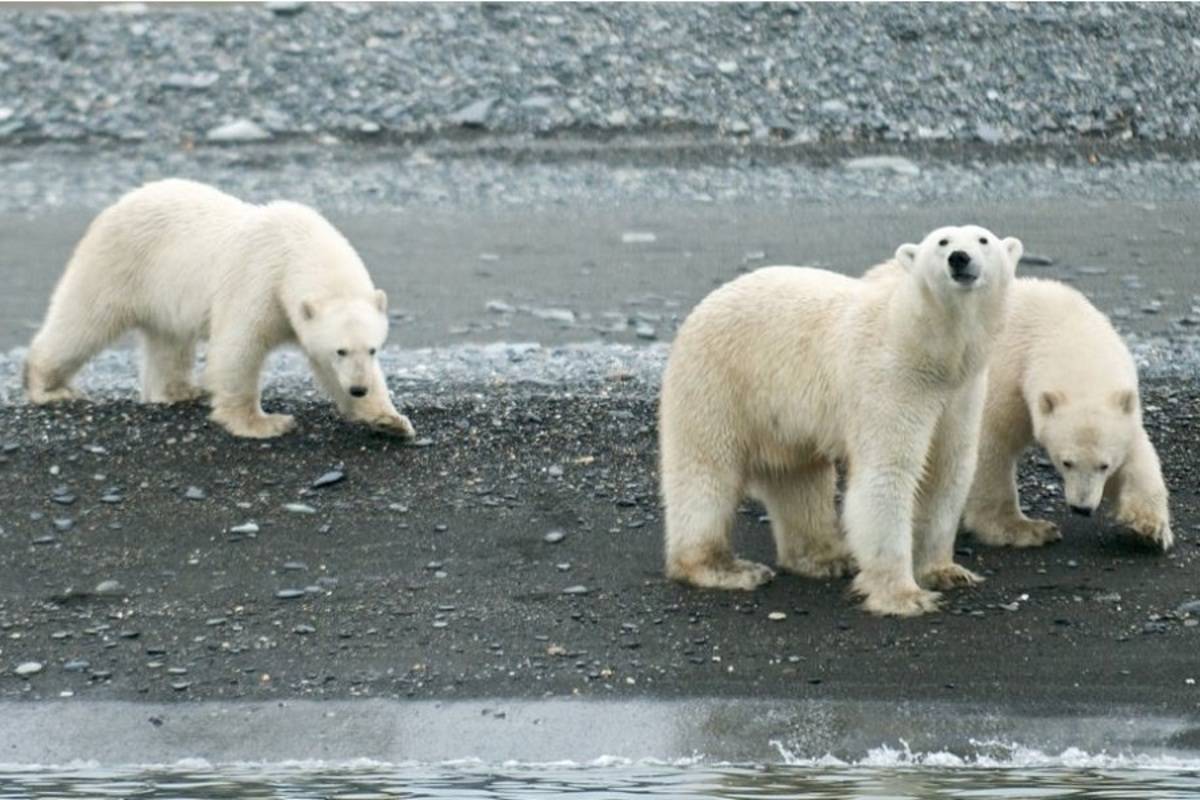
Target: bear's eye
943,242
1102,468
371,351
983,240
341,351
1068,465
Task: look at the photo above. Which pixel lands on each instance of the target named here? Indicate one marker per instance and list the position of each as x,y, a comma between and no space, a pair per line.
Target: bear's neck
945,339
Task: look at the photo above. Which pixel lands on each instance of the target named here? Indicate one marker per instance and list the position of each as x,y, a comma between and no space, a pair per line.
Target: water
884,775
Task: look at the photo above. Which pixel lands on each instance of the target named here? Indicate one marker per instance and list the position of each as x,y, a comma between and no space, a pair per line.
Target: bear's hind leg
167,369
804,521
699,519
76,328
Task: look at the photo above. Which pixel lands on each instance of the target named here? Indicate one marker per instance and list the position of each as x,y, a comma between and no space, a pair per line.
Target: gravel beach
545,191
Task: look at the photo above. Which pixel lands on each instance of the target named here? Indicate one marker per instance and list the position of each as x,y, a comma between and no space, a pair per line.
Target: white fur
180,262
1061,376
781,374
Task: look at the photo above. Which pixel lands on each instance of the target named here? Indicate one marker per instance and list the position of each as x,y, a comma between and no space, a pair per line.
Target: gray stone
896,164
242,130
475,114
28,668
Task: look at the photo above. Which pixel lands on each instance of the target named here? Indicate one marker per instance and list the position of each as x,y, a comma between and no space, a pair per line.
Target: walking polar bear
784,372
1061,375
180,261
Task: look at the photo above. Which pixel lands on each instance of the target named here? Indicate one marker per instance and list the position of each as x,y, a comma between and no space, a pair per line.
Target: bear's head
343,335
1087,440
961,259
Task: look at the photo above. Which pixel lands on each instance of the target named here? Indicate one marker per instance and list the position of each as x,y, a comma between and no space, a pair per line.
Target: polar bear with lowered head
1061,376
181,261
783,373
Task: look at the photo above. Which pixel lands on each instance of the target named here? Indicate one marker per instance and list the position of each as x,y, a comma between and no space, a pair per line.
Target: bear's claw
950,576
1020,532
397,425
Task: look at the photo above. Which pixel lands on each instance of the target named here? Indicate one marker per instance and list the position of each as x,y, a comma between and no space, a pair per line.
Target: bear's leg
886,461
700,504
804,521
167,369
235,362
949,468
994,513
1141,494
77,327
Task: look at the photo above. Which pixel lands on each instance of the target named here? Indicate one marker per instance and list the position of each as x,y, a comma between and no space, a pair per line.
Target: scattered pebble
299,508
554,537
329,479
28,668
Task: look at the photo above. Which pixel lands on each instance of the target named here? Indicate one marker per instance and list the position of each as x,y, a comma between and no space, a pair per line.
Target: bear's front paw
734,573
833,565
1018,532
1148,523
394,425
950,576
255,426
894,598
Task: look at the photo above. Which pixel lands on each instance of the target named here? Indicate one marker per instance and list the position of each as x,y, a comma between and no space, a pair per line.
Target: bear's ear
1014,248
1050,401
1125,400
381,300
906,255
308,309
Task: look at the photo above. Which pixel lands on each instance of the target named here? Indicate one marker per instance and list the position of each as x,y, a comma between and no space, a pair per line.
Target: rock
304,630
289,594
499,307
554,537
990,134
1092,270
563,315
28,668
727,67
1191,607
555,470
196,82
295,566
284,8
638,237
109,587
475,114
777,616
242,130
896,164
77,666
299,508
244,528
195,493
645,330
1035,260
329,479
834,107
576,590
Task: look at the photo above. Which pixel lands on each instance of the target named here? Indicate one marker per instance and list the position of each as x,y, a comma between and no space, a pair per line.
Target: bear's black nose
961,268
358,391
1082,511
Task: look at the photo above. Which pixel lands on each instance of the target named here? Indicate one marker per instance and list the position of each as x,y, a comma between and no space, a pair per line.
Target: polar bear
1061,376
782,373
181,261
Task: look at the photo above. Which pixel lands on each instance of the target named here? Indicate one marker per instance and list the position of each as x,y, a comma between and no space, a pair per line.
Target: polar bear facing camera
1061,376
784,373
180,262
